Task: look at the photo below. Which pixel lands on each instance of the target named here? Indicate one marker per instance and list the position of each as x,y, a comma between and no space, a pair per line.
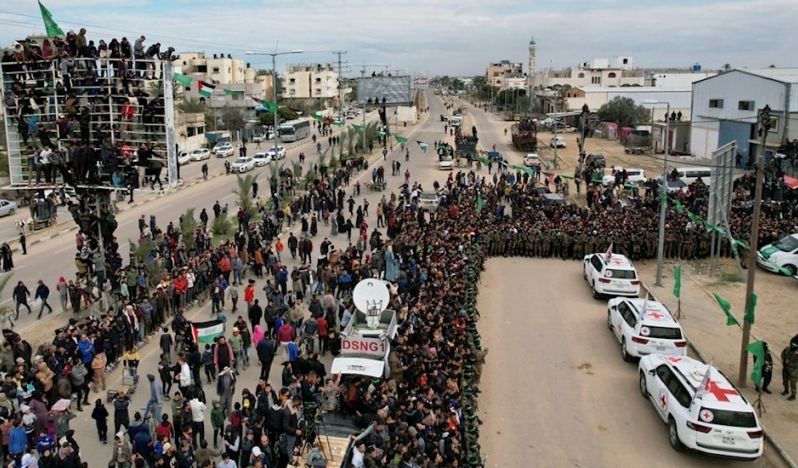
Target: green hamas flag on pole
677,204
338,123
758,350
316,116
749,311
400,138
232,92
480,203
269,106
694,218
677,281
357,127
380,134
184,80
50,25
724,304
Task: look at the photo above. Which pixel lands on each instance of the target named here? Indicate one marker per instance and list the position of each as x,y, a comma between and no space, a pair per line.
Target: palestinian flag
205,332
205,89
295,111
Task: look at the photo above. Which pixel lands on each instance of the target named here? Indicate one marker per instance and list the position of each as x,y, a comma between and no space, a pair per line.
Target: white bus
294,130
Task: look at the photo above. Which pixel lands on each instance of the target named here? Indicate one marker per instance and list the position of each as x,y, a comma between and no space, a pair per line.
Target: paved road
55,255
555,391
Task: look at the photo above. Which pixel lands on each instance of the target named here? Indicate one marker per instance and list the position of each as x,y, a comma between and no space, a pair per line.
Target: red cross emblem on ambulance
656,315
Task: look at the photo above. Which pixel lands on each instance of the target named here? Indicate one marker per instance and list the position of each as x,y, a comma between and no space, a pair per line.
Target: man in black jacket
255,313
265,349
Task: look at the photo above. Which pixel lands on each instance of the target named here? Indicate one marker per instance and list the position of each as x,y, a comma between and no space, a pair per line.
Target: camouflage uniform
687,246
545,244
566,246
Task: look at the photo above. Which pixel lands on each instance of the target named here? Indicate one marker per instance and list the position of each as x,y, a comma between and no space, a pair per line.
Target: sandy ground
556,392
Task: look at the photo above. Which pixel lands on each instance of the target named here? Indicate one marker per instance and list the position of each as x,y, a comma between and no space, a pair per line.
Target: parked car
200,154
262,138
224,150
428,201
262,159
557,142
7,207
184,158
277,152
446,163
532,160
634,176
243,164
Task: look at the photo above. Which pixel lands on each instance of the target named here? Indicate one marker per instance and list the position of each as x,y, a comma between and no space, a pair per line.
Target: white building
676,78
513,81
224,73
725,108
495,72
310,81
680,99
617,72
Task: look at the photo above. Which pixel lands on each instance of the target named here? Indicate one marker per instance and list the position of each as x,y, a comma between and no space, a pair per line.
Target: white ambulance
610,274
703,410
781,256
644,327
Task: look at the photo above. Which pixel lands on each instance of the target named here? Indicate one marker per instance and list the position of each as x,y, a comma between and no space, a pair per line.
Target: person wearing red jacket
181,286
285,335
249,294
323,331
225,267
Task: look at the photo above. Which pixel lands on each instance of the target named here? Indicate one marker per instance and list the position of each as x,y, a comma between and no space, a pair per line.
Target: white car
557,142
7,207
262,159
200,154
644,327
532,160
243,164
446,163
223,150
428,201
633,176
277,152
704,411
184,158
783,253
610,274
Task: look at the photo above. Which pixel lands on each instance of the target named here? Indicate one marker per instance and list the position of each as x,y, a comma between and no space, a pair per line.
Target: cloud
455,37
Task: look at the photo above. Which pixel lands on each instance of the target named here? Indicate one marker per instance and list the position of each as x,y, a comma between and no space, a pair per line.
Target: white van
688,175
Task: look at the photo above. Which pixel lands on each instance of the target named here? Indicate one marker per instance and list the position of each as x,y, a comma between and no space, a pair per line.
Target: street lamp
274,98
663,194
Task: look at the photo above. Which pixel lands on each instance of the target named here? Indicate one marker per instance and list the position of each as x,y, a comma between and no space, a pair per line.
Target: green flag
677,204
677,281
758,350
184,80
484,160
339,123
480,203
316,116
566,176
724,304
718,229
269,106
357,127
738,244
400,138
232,92
749,311
49,23
781,269
694,218
380,134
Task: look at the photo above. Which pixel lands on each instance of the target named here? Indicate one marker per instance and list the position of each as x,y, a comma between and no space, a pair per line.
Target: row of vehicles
701,407
260,159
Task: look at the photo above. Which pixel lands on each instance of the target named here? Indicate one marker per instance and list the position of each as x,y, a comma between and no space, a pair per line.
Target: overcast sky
437,37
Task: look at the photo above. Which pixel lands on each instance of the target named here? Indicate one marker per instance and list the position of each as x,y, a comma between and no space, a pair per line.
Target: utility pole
765,123
339,53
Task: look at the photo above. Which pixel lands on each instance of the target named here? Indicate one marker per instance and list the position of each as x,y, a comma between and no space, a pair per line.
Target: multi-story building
514,81
224,72
304,81
595,72
496,72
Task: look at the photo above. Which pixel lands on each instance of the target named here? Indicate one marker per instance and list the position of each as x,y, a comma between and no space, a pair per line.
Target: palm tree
192,105
244,191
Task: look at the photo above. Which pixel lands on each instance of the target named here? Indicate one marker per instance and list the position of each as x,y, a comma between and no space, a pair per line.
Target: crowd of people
75,104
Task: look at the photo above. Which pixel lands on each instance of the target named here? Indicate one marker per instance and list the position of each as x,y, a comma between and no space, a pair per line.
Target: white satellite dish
371,296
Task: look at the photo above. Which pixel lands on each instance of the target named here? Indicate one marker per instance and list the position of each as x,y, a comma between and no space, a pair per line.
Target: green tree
221,225
188,228
154,268
624,112
191,106
233,119
457,84
283,114
244,191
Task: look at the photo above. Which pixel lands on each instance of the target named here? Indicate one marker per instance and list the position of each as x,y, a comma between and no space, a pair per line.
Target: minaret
531,73
532,51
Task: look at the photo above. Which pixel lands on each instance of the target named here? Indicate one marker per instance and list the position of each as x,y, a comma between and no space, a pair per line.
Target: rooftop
633,89
785,75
